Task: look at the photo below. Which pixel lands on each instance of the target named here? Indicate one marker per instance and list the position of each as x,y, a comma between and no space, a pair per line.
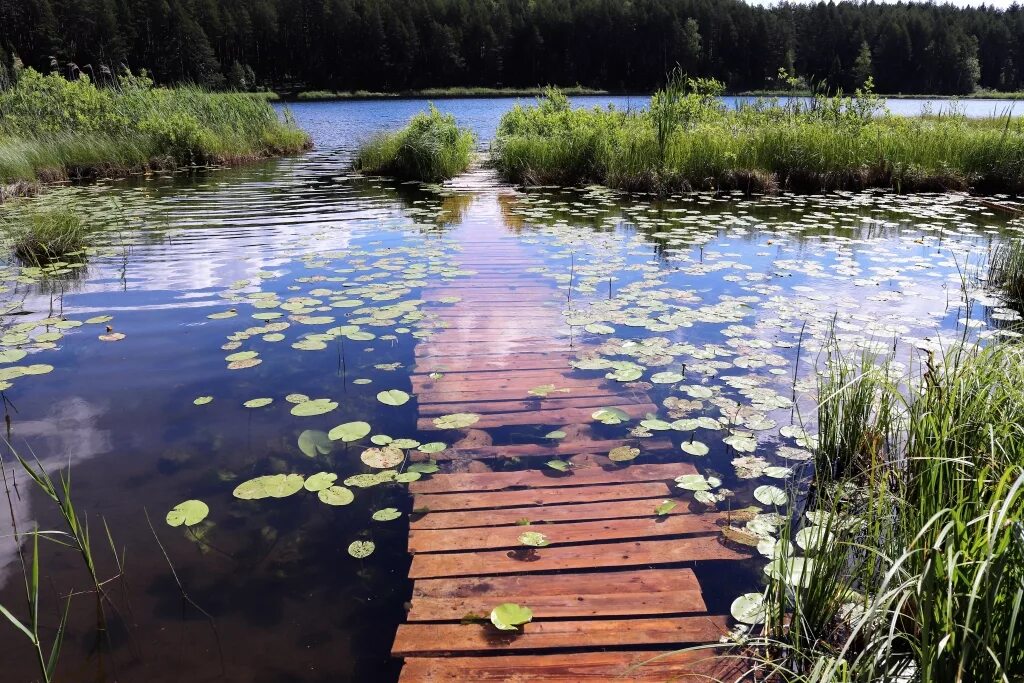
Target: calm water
727,292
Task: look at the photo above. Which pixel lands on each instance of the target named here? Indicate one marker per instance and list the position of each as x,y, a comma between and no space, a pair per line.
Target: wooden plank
563,416
544,514
618,554
421,639
488,538
695,666
486,500
561,450
556,402
630,581
442,396
583,476
570,605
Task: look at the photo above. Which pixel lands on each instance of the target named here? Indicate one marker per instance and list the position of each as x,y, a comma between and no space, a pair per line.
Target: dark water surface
728,292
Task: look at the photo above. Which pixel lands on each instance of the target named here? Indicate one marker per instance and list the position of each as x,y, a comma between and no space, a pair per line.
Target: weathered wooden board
584,476
488,500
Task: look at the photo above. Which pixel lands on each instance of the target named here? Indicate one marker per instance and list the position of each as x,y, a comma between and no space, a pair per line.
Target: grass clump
55,129
688,140
40,232
1006,269
431,148
912,562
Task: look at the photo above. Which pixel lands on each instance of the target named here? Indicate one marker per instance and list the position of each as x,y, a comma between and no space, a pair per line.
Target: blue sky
962,3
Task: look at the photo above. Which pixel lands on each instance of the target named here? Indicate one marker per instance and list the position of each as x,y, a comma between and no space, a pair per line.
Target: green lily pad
424,467
770,495
748,608
557,434
361,549
694,448
610,416
202,400
665,507
316,406
456,420
509,616
188,513
623,454
258,402
382,458
393,397
335,495
350,431
320,481
386,515
269,486
560,465
312,442
407,477
533,539
432,447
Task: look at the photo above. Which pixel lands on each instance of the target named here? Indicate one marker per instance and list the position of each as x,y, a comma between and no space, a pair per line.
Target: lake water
714,308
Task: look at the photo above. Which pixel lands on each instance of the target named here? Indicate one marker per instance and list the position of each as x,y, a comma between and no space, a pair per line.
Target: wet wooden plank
421,639
542,416
613,603
583,476
591,556
700,666
555,402
487,500
624,509
487,538
441,396
562,450
594,583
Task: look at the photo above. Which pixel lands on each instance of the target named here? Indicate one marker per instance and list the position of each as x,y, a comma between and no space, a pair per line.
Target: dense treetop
612,44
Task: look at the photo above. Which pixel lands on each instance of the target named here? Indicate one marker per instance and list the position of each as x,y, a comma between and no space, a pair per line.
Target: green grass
54,129
1006,269
921,577
39,233
431,148
688,141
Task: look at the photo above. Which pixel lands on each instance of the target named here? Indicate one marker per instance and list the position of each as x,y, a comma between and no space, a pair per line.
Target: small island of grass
431,148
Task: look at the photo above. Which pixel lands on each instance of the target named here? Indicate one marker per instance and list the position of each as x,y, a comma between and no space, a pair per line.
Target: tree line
394,45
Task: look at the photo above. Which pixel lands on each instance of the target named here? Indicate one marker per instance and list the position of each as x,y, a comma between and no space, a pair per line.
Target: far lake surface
715,309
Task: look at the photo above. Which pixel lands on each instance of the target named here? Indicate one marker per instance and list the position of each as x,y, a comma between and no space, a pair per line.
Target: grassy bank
687,140
430,148
908,561
439,93
53,129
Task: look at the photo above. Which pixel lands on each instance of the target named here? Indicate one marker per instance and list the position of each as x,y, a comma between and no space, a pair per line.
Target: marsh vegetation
430,148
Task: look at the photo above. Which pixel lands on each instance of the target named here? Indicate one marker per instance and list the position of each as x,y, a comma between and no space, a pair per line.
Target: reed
431,148
1006,269
39,233
54,129
689,141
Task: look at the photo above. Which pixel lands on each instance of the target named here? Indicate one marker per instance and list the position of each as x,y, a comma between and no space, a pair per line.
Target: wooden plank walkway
613,593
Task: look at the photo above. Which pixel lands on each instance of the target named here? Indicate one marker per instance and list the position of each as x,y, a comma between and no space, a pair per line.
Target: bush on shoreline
53,129
431,148
688,140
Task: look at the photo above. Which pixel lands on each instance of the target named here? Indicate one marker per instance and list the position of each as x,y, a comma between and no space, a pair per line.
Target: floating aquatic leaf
666,377
748,608
316,406
407,477
320,481
694,448
382,458
111,337
202,400
335,495
269,486
623,454
744,443
597,328
243,364
665,507
770,495
424,467
312,442
693,482
432,447
697,391
610,416
534,539
560,465
741,536
12,355
393,397
813,538
381,439
456,420
386,515
509,616
405,444
99,319
241,355
656,425
625,375
258,402
350,431
296,398
778,472
361,549
188,513
557,434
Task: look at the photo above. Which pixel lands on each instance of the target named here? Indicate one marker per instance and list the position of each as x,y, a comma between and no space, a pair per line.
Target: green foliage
921,577
1006,269
40,231
430,148
687,141
52,128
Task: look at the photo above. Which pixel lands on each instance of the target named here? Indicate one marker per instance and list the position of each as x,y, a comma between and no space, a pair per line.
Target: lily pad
382,458
534,539
202,400
393,397
258,402
770,495
313,442
386,515
432,447
623,454
456,420
559,465
316,406
665,507
748,608
188,513
509,616
694,448
361,549
335,495
269,486
350,431
320,481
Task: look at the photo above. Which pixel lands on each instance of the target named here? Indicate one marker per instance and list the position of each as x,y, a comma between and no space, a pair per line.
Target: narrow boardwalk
614,587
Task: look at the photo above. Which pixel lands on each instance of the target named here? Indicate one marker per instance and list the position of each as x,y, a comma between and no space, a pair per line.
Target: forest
397,45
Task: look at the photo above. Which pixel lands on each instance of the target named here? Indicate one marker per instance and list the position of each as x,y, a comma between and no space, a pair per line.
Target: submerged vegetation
431,148
55,129
688,140
912,564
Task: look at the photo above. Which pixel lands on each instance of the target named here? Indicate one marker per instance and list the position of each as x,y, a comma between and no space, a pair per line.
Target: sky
961,3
